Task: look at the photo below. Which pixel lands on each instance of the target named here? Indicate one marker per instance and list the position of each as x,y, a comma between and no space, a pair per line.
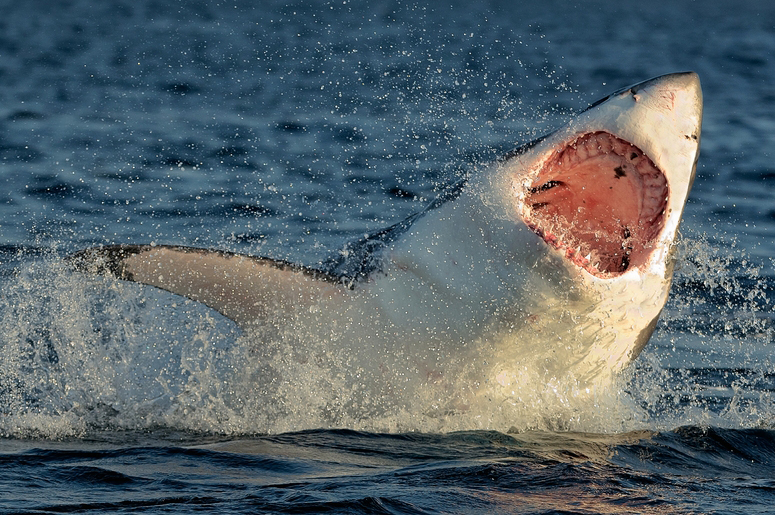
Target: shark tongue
601,201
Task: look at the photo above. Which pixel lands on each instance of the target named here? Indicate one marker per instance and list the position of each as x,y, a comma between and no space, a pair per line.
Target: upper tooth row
597,144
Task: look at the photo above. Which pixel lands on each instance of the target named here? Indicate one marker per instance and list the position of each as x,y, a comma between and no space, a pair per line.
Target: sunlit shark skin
558,257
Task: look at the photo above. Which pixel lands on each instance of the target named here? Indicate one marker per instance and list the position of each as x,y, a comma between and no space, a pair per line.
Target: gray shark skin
556,258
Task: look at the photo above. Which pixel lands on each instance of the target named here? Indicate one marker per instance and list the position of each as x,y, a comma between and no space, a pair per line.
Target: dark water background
287,129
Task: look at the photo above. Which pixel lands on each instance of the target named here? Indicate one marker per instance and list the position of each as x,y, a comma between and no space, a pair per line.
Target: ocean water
286,129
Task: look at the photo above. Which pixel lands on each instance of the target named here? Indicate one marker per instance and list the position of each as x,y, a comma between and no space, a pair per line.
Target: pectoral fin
244,288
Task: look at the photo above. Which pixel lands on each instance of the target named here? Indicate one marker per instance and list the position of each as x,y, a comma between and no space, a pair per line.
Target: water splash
81,354
710,360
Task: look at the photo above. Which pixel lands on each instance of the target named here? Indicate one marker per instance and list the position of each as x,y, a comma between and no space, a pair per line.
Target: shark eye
601,201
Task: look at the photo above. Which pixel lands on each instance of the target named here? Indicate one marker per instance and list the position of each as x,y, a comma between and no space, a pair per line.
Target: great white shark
556,258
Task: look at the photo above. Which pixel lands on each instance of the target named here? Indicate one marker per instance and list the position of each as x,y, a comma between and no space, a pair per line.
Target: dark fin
359,259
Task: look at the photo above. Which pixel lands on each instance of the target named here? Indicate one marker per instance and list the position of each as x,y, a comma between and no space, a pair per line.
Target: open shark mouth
601,201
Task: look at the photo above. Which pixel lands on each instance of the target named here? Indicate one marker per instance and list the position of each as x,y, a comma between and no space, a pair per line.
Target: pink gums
601,201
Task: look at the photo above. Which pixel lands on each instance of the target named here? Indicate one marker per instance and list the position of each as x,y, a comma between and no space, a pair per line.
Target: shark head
604,195
610,188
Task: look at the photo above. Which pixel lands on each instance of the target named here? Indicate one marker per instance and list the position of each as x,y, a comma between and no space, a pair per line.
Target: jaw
607,191
599,200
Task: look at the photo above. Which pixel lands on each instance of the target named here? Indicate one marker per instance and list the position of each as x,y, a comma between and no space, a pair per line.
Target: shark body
557,257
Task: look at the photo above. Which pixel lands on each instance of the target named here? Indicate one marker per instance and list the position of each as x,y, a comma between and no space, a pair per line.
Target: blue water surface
286,129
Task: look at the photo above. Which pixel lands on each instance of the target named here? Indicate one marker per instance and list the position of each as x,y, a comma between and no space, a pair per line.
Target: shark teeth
601,201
